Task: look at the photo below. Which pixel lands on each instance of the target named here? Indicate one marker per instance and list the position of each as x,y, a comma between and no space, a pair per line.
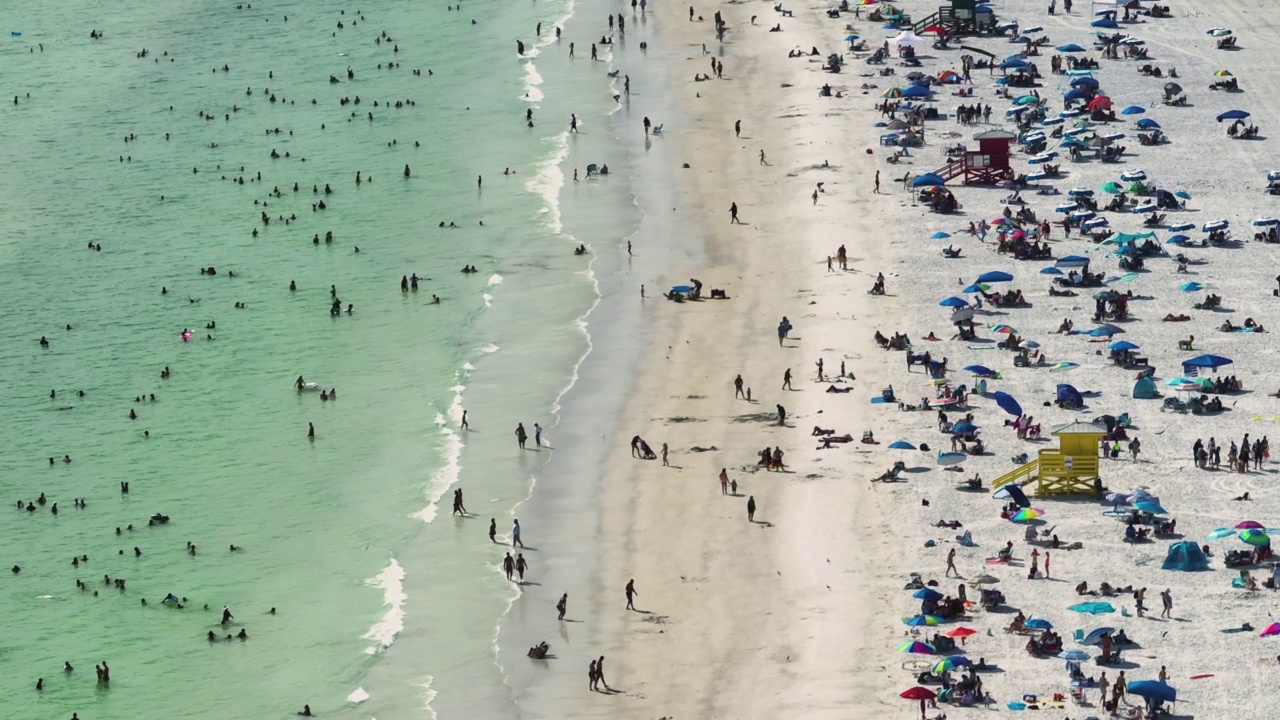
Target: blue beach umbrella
1153,690
1191,287
1133,110
1147,506
980,370
1122,345
954,302
994,276
940,235
901,445
1104,23
1070,48
1007,403
923,621
1071,261
1215,225
1220,534
1013,62
1176,239
1183,194
927,593
1050,271
928,180
917,91
962,428
1074,94
1233,115
1103,331
975,288
1094,637
1038,624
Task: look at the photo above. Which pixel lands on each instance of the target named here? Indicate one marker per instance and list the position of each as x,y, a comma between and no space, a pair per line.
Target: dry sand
799,613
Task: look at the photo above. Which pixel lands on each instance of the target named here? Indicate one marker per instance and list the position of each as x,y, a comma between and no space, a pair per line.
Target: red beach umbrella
923,694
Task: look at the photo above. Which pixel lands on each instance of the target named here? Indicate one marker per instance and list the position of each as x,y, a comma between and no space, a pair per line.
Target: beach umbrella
1080,192
901,445
1233,115
1073,655
1064,367
1111,188
1123,345
1013,62
1249,524
928,180
1213,225
891,93
1071,261
1182,227
1176,239
1084,81
1222,73
994,276
947,664
1147,506
1003,329
1133,110
950,458
1026,100
1272,629
980,370
1265,221
1213,362
1105,22
916,647
1070,48
1103,331
927,593
1026,515
1094,637
940,235
964,428
1118,499
1133,175
1067,207
917,91
923,620
1191,287
1153,690
961,315
1148,124
1218,31
1254,537
1038,624
976,288
1007,403
850,38
1219,534
1074,94
954,302
1030,344
960,632
1171,89
1183,194
919,693
1092,608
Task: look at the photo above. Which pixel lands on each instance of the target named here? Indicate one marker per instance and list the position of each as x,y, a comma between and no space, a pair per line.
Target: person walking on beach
508,565
782,415
521,565
515,533
458,507
521,435
600,672
537,435
737,387
733,214
1046,564
465,426
724,481
737,128
631,594
592,677
1135,446
664,456
493,530
877,190
786,379
562,606
762,160
751,508
1166,599
951,563
1139,599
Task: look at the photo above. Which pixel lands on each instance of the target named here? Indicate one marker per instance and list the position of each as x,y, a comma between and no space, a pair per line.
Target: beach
170,145
802,610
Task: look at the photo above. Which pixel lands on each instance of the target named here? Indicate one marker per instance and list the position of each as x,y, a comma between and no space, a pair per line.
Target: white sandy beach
799,613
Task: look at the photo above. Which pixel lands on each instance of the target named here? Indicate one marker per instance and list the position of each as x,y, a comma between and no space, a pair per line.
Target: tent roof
995,135
1080,428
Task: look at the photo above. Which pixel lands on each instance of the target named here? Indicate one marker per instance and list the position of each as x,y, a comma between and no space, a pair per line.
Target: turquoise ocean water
386,607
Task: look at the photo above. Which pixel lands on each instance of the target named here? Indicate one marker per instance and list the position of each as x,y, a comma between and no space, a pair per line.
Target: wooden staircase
1019,476
951,170
945,16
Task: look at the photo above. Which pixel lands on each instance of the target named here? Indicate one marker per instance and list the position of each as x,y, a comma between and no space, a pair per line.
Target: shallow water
341,534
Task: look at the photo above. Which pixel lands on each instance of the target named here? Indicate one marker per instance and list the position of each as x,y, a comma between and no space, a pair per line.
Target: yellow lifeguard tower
1069,469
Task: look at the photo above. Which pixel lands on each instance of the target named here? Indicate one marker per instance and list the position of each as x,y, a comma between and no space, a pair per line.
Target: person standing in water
493,530
515,533
458,507
508,566
521,435
537,435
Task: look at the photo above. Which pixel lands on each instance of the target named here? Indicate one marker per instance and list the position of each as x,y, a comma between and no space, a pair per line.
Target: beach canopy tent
906,37
917,91
1213,362
1069,396
1233,115
1145,389
1185,556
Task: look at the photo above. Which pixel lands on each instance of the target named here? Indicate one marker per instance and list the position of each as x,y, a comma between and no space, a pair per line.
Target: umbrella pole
922,709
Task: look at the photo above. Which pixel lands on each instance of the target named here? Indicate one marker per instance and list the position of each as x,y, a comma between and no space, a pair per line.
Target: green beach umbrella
916,647
1111,188
1254,536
